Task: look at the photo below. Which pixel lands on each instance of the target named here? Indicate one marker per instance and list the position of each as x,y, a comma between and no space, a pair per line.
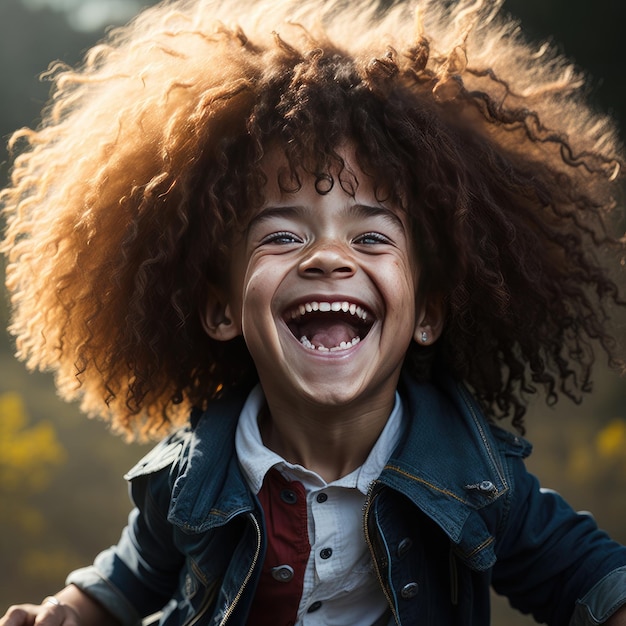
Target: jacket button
288,496
282,573
404,546
409,591
486,486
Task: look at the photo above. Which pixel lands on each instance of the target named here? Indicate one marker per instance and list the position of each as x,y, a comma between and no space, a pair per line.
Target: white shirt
343,587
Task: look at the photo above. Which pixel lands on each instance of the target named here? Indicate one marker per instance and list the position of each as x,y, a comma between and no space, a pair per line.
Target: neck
332,442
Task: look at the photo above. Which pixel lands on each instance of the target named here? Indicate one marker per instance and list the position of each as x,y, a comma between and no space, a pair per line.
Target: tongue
329,335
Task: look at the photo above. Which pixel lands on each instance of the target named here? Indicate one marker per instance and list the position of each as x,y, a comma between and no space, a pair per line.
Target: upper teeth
324,307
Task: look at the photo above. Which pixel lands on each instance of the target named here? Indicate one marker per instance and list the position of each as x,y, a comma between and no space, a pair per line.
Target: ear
429,320
217,320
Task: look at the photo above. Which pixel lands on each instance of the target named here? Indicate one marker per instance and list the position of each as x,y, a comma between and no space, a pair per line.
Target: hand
49,613
68,607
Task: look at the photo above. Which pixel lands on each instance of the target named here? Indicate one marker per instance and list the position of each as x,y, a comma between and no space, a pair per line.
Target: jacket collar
210,488
446,464
449,467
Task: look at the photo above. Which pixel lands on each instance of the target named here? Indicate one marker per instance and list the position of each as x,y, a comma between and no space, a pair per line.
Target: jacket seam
423,481
480,547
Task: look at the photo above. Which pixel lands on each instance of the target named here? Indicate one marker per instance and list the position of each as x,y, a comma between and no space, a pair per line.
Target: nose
328,259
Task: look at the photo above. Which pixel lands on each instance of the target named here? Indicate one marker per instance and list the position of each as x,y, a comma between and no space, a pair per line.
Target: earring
424,336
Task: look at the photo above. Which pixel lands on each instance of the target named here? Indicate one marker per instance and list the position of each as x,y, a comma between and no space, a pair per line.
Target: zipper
371,497
233,604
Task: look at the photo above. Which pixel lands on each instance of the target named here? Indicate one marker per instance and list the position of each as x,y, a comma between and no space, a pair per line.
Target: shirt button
409,591
321,497
282,573
288,496
326,553
314,607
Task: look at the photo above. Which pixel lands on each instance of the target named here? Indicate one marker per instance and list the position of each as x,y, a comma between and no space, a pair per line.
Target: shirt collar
256,459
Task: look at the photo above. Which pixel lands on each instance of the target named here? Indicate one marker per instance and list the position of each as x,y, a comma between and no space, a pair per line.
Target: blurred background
62,496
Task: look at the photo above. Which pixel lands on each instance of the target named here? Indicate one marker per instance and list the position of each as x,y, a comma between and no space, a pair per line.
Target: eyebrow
362,211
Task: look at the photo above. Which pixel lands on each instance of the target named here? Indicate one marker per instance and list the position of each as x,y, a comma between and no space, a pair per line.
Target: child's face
324,292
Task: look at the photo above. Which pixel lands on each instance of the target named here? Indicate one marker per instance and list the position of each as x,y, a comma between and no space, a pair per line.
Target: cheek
401,295
258,291
402,280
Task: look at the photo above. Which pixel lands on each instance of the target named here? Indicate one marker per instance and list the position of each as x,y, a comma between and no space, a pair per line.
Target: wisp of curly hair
124,202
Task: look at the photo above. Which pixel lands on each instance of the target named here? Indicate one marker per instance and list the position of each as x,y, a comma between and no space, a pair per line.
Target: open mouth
329,326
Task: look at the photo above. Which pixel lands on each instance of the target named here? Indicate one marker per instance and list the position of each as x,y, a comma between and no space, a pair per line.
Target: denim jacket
453,513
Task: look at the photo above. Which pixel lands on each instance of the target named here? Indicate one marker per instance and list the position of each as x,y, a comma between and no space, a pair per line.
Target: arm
133,578
74,608
138,575
555,562
120,579
605,603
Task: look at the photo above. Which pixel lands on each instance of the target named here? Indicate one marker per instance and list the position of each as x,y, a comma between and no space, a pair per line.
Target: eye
282,237
371,239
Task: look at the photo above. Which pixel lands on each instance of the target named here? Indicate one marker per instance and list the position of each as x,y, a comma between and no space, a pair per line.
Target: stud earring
424,336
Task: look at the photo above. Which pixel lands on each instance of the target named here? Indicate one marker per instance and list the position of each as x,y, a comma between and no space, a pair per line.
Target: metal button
409,591
288,496
321,497
404,546
314,607
326,553
282,573
486,486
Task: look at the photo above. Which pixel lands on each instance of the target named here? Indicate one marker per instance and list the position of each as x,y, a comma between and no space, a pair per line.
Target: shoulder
168,453
508,443
503,444
207,431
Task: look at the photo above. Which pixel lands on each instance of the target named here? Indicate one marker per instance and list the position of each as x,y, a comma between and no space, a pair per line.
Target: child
345,240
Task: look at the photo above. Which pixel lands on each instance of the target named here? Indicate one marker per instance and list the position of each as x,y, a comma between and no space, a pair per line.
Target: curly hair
124,202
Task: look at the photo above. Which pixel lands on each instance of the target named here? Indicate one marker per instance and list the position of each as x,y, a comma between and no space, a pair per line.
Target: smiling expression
324,292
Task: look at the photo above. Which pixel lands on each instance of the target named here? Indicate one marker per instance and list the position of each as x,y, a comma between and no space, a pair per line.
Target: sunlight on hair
197,90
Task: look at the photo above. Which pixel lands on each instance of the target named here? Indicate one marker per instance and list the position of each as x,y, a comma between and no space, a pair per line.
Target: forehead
341,190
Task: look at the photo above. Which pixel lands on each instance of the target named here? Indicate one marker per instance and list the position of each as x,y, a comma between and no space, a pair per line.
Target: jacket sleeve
137,576
602,601
554,562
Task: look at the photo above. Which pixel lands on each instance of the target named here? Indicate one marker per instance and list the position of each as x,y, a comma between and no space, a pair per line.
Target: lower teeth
344,345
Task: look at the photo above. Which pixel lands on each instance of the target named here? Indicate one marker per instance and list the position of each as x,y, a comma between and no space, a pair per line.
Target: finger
54,613
49,615
20,615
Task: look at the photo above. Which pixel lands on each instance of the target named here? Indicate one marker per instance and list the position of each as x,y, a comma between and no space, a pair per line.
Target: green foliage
62,496
27,454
